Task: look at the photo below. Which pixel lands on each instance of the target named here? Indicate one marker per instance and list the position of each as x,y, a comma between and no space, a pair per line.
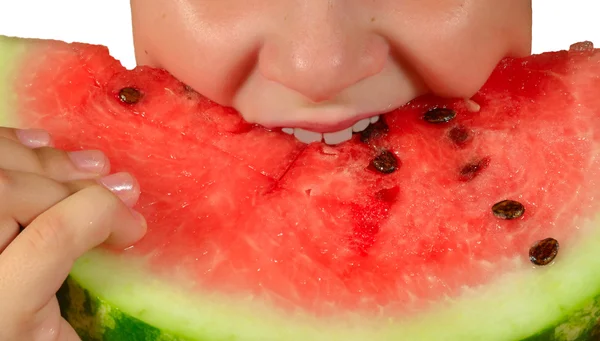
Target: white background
557,23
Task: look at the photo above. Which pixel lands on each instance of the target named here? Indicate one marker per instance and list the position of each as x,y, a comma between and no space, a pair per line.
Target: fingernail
89,160
124,186
34,138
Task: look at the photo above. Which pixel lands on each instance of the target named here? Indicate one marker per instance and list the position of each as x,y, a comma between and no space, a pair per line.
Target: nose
322,61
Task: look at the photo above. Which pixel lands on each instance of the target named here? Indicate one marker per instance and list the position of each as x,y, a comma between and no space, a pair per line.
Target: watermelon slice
441,221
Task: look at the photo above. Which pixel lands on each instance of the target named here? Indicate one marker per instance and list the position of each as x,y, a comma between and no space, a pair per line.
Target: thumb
35,264
67,333
48,325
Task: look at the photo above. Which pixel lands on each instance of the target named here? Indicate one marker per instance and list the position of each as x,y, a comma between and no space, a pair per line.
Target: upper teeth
361,125
336,137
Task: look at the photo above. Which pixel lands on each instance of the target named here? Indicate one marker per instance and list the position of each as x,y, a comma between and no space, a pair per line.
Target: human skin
65,203
323,65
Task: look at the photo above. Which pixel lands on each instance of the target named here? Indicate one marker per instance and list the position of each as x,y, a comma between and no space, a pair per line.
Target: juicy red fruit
236,208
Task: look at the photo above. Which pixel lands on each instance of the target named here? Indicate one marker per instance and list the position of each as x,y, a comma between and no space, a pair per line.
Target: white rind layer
518,305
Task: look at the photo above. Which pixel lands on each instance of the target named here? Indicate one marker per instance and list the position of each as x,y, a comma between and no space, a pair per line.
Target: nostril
321,70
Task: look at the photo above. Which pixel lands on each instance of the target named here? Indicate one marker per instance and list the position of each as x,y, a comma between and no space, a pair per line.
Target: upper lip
322,127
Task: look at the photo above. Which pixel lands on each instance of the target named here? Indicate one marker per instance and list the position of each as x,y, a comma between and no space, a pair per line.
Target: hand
66,205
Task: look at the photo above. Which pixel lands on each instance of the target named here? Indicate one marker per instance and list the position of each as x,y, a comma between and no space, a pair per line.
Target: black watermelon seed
130,95
374,131
385,163
439,115
508,209
471,170
459,135
543,251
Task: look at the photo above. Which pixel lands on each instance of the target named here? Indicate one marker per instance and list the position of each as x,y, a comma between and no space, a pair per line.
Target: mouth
333,135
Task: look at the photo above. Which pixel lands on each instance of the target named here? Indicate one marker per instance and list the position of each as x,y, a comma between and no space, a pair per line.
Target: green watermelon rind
97,320
561,300
558,302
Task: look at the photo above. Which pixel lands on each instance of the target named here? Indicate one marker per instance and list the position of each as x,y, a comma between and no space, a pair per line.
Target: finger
54,163
8,232
32,138
36,263
48,324
66,332
24,196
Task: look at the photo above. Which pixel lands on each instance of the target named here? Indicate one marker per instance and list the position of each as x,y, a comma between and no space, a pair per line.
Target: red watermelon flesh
237,209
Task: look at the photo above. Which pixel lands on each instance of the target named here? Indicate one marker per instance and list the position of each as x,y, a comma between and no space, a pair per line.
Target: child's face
323,65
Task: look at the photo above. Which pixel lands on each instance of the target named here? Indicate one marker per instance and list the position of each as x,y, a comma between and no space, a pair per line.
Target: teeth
338,136
361,125
306,136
